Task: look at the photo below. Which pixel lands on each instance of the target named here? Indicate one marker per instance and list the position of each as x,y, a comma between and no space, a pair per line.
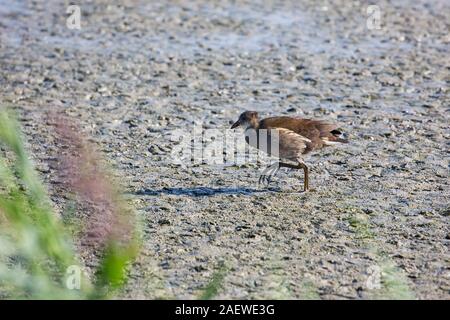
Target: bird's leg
274,172
262,177
269,172
300,165
306,173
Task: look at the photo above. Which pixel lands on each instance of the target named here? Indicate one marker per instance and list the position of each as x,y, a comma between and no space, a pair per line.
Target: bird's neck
253,125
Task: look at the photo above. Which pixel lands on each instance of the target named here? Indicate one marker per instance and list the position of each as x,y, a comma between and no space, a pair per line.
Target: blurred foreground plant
35,248
215,284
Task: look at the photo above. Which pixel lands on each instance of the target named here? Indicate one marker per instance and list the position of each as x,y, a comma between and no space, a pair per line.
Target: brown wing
321,133
281,143
291,145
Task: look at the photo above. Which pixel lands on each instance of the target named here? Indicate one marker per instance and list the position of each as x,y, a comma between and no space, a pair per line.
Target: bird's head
247,119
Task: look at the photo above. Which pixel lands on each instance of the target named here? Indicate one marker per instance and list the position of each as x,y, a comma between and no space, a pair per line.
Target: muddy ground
138,70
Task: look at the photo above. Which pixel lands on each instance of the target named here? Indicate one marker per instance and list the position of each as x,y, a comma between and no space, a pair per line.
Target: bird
296,137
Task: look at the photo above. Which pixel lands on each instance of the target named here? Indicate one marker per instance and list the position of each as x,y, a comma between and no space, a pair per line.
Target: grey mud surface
139,70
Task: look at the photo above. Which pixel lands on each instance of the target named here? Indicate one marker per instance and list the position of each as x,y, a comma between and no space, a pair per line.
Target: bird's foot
268,173
265,179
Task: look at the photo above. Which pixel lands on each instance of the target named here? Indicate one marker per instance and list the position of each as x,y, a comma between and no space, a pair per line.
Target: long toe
261,179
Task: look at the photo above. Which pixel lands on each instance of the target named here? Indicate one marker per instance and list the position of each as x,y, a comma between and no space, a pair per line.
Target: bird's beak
236,124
